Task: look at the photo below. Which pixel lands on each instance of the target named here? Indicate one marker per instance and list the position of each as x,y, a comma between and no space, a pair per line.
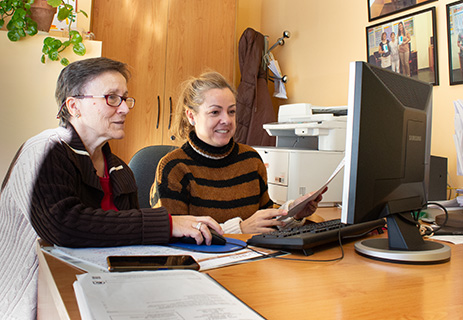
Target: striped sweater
202,180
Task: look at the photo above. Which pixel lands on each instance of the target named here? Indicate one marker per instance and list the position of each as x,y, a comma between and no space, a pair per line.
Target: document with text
173,294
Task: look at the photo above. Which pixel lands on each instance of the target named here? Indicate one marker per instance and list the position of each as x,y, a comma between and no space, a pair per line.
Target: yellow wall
27,88
325,37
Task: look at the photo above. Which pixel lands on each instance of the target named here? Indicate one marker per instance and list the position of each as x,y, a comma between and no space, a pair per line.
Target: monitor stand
404,244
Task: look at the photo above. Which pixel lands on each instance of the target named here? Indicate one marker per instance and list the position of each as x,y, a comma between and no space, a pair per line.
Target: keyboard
312,235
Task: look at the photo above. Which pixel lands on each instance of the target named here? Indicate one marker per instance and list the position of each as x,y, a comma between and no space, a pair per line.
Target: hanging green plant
20,24
17,15
52,47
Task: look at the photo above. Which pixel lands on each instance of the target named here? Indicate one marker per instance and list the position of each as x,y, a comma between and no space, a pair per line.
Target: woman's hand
310,207
195,227
263,221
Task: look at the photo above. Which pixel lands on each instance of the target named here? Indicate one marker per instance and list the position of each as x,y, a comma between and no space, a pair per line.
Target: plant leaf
64,62
79,49
48,41
56,44
63,13
75,37
19,14
54,56
45,49
31,28
13,35
54,3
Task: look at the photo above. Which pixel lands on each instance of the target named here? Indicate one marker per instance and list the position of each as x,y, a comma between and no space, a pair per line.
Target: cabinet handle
170,112
159,112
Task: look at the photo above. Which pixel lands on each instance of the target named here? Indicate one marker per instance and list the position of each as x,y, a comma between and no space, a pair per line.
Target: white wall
27,91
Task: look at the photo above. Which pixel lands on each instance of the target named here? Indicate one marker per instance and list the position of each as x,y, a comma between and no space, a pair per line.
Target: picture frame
455,41
382,8
414,38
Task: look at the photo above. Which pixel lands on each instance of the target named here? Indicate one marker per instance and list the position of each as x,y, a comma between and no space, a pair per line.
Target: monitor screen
387,158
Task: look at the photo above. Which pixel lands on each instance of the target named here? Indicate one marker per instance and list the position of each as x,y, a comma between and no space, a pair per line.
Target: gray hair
73,79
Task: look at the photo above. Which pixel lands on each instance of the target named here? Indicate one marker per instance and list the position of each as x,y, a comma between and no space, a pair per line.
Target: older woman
211,174
66,186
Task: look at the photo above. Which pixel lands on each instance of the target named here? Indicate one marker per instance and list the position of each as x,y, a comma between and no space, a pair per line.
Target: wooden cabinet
164,42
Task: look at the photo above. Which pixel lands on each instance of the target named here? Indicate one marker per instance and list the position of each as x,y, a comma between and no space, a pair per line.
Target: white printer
310,143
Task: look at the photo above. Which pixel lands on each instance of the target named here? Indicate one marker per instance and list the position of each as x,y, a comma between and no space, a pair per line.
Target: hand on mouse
195,227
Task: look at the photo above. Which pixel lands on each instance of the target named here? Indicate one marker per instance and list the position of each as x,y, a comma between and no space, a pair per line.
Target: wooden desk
353,288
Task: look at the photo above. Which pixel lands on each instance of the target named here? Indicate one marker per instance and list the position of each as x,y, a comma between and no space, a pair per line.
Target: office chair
144,164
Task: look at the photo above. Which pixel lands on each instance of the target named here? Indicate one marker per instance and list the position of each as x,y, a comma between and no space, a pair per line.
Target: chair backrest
144,164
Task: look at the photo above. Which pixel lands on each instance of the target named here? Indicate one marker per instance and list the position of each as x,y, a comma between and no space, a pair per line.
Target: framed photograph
455,41
407,45
382,8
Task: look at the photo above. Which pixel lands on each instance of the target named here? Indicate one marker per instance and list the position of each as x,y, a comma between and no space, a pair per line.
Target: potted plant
20,22
17,14
43,14
52,47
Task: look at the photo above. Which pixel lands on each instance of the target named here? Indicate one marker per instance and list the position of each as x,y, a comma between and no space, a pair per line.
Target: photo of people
381,8
406,45
455,41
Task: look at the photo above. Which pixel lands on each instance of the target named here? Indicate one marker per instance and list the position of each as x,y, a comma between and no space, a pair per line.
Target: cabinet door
134,32
201,36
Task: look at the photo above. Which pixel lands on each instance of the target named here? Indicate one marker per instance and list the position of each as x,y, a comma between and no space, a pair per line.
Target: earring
78,115
192,122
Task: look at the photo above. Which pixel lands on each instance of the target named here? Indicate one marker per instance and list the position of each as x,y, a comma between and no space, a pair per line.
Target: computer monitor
387,159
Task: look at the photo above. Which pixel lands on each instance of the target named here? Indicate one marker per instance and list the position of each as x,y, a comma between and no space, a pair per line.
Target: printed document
173,295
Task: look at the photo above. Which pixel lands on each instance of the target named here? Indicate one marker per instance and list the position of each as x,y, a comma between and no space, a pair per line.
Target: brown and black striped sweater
202,180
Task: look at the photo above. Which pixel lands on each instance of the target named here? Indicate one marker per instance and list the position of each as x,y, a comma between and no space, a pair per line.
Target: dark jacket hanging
254,105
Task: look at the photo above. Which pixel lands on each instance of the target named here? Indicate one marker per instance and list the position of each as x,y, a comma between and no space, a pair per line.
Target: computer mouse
217,239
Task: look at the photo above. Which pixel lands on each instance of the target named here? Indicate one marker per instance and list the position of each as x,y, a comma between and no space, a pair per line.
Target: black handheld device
141,263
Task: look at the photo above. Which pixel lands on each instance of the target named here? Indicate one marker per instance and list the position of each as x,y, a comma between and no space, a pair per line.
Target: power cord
321,260
340,238
428,230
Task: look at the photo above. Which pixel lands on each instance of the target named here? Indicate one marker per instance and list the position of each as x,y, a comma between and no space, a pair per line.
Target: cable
429,231
317,260
320,260
340,238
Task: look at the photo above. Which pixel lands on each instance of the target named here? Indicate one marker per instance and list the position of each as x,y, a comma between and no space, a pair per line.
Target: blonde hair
192,95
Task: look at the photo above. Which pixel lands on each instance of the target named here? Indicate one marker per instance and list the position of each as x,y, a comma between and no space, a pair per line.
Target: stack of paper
174,294
94,259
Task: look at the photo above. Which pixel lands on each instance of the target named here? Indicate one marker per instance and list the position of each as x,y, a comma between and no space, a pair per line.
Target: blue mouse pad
230,246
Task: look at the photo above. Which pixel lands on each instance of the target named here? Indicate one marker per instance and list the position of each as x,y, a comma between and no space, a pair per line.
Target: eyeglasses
112,100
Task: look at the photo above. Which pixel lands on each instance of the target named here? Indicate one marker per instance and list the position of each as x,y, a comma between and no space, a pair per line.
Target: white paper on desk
174,294
449,238
91,259
298,208
458,136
